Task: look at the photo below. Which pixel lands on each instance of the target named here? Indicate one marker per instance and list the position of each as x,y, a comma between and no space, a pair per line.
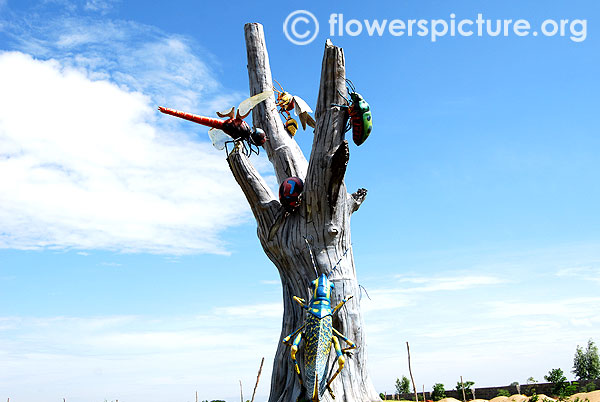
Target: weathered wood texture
324,217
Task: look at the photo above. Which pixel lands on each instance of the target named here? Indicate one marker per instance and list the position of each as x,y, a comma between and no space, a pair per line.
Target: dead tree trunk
324,217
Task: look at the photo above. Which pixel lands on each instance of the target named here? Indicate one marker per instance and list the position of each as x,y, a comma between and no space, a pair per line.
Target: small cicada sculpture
318,334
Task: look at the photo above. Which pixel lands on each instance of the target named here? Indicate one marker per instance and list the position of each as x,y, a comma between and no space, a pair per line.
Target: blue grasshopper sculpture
319,334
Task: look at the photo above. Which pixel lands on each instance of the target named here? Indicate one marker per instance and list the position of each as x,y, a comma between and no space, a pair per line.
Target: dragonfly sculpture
232,130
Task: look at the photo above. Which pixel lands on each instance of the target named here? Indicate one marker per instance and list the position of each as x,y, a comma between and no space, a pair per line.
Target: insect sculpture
290,197
361,121
232,130
290,191
286,102
319,335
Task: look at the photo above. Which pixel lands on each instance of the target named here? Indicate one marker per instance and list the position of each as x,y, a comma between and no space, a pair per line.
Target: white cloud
165,67
132,356
270,282
253,310
90,163
86,165
588,272
102,6
458,281
385,299
579,308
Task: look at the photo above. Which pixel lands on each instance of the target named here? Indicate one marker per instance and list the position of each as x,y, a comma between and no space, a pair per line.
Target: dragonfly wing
218,138
247,105
302,110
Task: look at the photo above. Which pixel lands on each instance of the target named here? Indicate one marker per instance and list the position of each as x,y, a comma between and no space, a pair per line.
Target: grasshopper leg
300,301
287,339
341,362
351,344
297,335
293,354
340,304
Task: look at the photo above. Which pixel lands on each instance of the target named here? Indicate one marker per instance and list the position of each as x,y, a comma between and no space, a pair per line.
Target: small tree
558,380
438,392
467,384
586,364
532,388
402,386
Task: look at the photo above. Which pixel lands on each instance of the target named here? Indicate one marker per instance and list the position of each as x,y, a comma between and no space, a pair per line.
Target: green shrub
558,380
382,396
438,392
569,390
403,386
468,384
503,392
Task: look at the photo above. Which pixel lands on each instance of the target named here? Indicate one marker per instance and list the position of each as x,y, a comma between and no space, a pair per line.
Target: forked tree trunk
323,217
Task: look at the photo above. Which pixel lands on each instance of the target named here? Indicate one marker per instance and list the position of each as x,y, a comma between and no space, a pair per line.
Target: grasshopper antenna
361,287
338,263
312,257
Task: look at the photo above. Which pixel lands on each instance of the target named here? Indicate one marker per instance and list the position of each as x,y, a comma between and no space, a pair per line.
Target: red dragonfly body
236,128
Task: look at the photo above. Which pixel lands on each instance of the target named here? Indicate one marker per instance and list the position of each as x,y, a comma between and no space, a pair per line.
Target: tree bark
323,217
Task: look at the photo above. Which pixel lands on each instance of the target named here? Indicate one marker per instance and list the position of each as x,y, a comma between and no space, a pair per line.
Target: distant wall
492,392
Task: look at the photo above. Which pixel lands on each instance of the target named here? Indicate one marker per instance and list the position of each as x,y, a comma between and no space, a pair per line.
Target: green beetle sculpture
361,120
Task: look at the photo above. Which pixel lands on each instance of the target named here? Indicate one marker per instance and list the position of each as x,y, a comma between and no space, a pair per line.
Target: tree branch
356,199
263,203
329,155
283,152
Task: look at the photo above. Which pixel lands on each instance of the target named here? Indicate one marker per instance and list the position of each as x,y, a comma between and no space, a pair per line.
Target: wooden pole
411,376
462,385
424,399
241,393
257,378
196,396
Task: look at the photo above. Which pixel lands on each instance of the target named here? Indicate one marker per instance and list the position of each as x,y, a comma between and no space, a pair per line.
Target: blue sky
129,263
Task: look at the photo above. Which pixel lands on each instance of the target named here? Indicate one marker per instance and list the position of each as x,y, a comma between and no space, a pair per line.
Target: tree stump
323,217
